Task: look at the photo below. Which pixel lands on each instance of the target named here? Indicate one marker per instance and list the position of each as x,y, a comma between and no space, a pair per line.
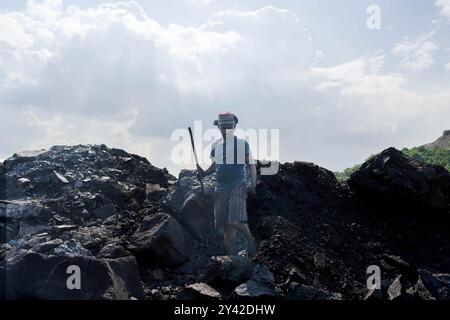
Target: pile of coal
394,177
74,205
90,222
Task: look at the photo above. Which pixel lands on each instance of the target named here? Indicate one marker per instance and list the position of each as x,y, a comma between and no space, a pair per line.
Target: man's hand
200,172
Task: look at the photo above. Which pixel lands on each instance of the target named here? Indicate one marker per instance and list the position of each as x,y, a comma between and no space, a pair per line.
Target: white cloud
201,2
113,75
359,77
444,7
45,10
416,55
447,66
70,66
377,108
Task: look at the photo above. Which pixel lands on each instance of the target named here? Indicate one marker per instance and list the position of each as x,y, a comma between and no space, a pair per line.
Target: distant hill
436,152
441,142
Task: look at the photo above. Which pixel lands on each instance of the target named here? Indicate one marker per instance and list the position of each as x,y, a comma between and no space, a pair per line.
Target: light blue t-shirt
230,162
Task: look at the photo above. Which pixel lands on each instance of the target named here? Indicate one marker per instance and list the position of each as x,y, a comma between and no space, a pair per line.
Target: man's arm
210,170
212,167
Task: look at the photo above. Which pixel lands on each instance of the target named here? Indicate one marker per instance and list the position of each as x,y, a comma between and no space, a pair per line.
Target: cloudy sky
130,73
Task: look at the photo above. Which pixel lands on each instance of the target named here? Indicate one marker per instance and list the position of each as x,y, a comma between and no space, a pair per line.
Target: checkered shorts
230,206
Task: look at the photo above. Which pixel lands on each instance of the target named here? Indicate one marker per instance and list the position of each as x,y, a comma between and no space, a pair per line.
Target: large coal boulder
260,285
24,209
193,207
241,277
161,239
229,271
395,177
437,283
199,291
42,269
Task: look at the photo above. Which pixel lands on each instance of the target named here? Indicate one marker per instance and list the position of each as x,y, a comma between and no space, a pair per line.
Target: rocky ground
137,232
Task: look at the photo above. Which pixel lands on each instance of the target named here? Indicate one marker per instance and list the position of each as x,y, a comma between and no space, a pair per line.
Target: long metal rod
195,157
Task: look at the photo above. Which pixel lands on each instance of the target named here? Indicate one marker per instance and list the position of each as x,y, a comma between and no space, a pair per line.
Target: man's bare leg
230,239
242,227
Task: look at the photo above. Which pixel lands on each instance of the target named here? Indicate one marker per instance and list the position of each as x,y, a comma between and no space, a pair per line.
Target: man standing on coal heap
230,157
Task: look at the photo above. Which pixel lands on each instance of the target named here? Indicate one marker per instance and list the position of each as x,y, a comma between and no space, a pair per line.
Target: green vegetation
435,155
344,175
